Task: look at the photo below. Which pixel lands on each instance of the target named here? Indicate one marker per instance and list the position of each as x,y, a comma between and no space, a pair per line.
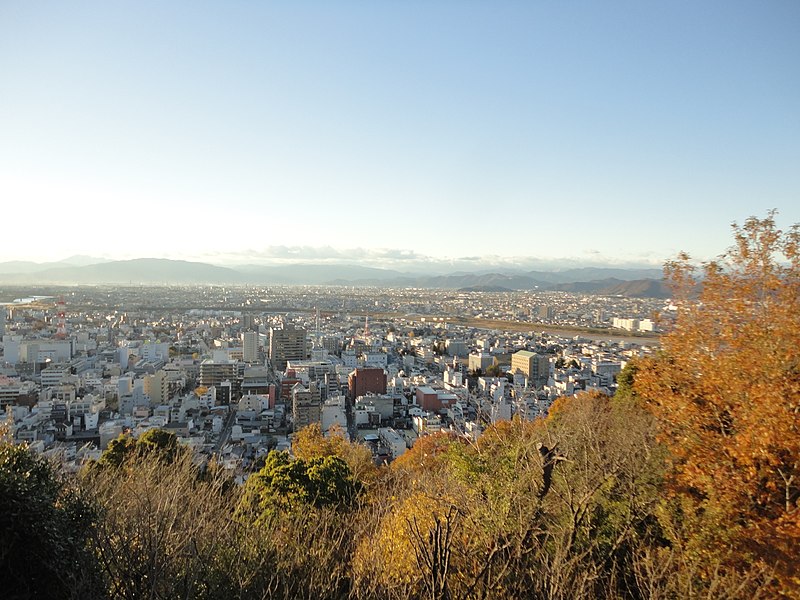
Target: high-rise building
248,323
250,346
216,372
536,367
331,343
157,387
306,406
285,344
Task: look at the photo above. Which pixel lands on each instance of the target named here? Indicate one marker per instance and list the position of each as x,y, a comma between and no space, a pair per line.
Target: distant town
234,371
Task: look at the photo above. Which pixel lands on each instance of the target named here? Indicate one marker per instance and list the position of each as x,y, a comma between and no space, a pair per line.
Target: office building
535,367
285,344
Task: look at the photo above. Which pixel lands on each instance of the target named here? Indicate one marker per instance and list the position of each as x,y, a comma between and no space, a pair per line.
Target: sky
389,133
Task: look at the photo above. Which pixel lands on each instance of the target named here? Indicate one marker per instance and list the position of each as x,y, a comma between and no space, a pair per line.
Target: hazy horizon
403,262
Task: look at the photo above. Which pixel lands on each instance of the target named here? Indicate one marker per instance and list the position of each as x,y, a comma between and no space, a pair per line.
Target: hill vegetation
685,484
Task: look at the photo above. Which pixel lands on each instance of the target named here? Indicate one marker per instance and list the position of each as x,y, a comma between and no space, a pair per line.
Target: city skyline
448,134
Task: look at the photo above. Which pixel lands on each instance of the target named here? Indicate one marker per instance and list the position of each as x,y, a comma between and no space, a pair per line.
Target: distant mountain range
158,271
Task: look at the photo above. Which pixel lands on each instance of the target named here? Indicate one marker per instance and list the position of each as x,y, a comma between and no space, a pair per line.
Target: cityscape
234,371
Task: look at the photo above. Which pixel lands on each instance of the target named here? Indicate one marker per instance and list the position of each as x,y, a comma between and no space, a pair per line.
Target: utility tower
61,328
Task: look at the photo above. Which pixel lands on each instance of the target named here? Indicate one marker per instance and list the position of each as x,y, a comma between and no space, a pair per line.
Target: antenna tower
61,330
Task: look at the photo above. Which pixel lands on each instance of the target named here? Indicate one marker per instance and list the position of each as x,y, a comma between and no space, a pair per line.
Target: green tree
294,484
154,443
158,442
118,451
494,370
45,525
625,382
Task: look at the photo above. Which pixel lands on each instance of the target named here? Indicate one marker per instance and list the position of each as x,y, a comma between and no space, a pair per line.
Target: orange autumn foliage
310,443
726,390
429,453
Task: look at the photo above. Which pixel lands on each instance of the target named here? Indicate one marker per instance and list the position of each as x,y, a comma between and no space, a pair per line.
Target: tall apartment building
215,372
480,360
248,323
536,367
156,386
285,344
250,346
331,343
306,406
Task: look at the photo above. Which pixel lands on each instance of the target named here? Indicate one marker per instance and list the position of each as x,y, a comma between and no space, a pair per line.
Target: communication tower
61,330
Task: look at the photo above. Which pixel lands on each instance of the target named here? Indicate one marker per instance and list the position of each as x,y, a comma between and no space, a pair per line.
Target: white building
250,346
333,413
395,442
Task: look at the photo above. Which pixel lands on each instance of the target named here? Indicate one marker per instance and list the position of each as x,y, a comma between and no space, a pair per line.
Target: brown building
285,344
366,380
433,400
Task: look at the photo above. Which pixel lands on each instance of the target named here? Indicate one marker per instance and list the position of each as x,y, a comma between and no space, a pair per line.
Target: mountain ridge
595,280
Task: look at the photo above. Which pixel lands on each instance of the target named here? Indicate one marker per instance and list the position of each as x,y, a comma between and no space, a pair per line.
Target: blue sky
593,132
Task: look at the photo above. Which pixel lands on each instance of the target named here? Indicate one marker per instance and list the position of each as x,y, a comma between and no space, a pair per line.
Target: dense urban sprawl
233,372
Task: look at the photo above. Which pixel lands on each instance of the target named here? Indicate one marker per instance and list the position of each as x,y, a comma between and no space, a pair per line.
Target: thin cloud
406,260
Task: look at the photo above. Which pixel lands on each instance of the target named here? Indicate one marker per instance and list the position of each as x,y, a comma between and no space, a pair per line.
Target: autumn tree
310,443
429,454
726,391
164,528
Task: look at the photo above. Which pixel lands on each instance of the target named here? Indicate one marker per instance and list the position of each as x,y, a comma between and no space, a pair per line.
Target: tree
160,443
165,530
117,451
430,453
726,391
494,370
310,443
45,524
296,484
154,443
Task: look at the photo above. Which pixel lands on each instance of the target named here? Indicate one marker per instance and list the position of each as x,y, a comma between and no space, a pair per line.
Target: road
226,430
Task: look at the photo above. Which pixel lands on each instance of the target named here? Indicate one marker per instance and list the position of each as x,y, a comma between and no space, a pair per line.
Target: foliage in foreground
726,392
45,525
